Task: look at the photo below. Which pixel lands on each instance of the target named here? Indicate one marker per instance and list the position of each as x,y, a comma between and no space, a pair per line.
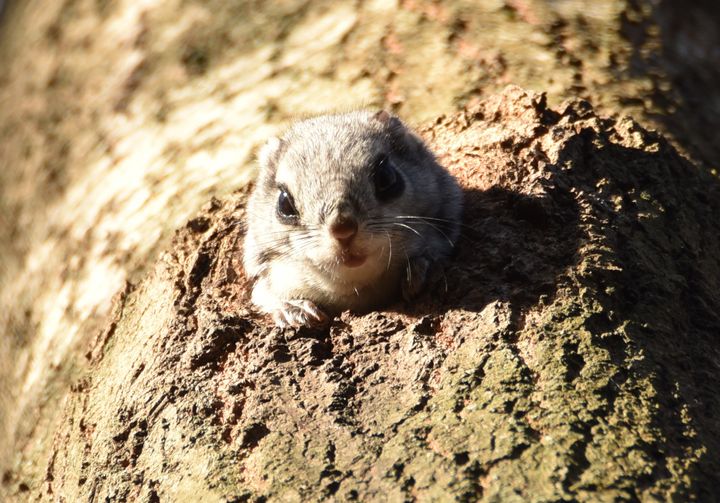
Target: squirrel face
348,199
345,216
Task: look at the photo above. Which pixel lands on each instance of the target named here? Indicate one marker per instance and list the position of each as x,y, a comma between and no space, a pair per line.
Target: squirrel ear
268,152
383,116
387,119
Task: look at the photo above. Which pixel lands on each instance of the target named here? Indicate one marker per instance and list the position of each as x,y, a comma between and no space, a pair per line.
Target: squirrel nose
344,230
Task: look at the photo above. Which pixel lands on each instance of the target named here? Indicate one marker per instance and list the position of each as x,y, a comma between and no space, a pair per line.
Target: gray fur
326,164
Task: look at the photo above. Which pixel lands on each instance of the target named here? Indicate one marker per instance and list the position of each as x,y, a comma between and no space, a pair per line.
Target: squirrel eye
387,180
286,207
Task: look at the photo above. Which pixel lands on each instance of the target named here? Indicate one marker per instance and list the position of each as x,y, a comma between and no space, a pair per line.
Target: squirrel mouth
350,259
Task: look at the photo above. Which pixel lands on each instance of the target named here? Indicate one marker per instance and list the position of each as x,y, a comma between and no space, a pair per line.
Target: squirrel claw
298,313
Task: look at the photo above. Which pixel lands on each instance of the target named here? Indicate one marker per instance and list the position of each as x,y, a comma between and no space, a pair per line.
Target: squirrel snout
344,230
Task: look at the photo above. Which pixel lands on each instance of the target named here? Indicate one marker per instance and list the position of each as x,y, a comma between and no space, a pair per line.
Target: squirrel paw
298,313
416,276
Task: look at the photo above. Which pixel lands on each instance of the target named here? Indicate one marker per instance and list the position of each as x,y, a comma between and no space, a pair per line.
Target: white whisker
408,228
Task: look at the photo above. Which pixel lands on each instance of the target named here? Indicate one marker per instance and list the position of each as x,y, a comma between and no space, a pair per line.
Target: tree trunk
569,352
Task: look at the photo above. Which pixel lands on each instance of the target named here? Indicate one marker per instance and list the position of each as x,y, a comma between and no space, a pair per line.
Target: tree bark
569,352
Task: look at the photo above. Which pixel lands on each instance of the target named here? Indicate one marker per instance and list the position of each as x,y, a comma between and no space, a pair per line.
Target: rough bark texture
569,352
547,364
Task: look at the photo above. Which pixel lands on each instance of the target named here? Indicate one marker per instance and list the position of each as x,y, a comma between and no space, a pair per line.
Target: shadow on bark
676,45
659,300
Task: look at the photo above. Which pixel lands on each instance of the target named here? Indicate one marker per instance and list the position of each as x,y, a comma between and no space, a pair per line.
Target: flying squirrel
350,211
